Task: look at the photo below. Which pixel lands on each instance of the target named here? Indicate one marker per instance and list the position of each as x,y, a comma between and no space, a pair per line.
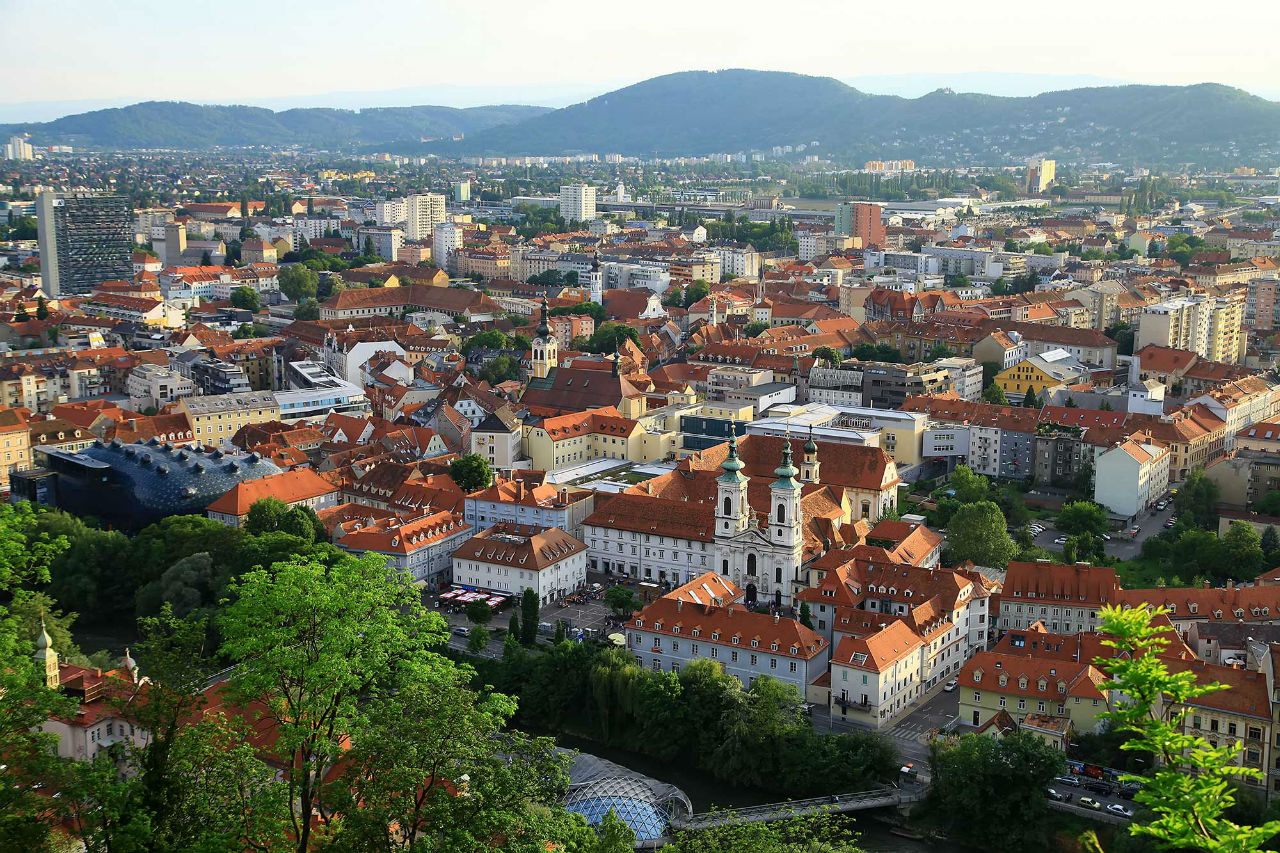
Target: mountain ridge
701,112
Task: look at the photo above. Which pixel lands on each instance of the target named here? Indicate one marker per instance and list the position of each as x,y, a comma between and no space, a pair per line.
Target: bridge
876,798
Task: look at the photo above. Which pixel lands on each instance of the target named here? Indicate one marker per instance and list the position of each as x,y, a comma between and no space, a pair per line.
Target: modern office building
1040,174
577,202
85,239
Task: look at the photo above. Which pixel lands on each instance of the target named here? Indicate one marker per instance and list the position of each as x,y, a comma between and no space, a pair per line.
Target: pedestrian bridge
876,798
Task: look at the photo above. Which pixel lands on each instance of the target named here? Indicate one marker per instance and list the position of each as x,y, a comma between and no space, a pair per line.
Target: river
705,792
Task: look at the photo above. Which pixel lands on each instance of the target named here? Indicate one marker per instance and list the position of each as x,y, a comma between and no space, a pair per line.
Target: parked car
1061,540
1123,811
1170,523
1102,788
1106,537
951,685
1067,780
1054,795
1090,803
462,631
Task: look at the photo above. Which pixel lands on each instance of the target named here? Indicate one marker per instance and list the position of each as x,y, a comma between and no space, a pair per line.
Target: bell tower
595,281
546,354
46,658
784,502
733,513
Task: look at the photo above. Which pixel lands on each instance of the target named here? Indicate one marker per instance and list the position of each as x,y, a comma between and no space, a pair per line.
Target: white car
1061,540
1122,811
951,685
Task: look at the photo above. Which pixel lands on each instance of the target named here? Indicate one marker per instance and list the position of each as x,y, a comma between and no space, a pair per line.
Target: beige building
497,438
15,437
594,434
1022,685
214,420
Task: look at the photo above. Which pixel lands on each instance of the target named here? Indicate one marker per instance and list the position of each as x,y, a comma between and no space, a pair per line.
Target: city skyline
431,57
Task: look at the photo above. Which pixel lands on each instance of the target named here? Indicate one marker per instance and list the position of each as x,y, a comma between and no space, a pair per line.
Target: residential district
778,421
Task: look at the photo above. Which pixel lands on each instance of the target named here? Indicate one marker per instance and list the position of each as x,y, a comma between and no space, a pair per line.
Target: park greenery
760,736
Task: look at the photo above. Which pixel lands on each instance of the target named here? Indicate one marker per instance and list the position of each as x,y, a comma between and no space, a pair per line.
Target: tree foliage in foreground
1190,790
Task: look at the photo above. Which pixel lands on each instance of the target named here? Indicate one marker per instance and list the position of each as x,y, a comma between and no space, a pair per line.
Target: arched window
725,568
782,513
777,575
751,565
728,506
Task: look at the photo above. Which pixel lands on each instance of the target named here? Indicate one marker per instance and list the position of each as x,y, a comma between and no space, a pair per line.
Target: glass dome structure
644,804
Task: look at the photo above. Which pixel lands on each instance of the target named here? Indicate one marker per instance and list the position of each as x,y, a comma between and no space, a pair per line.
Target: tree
25,557
471,472
1268,504
489,339
977,532
613,835
42,309
969,487
1030,400
513,624
298,522
695,292
994,394
1105,406
621,600
806,615
1079,517
1004,778
1196,501
938,351
1243,547
1188,790
501,369
479,612
315,647
827,354
528,616
755,329
265,515
608,337
205,259
246,298
21,315
559,636
1269,542
478,639
298,282
674,297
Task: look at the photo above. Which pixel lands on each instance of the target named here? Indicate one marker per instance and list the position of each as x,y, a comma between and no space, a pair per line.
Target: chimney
1206,584
1231,584
776,617
679,604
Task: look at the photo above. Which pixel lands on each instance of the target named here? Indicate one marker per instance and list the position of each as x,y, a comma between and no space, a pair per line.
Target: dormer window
755,644
1193,608
1004,679
1022,683
773,647
697,632
1041,684
657,626
715,635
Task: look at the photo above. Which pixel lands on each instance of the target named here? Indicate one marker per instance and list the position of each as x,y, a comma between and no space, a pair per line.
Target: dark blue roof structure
132,485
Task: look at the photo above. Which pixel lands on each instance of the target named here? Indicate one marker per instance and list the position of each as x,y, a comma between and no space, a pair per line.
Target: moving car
462,631
1123,811
1098,788
1067,780
1054,795
950,685
1090,803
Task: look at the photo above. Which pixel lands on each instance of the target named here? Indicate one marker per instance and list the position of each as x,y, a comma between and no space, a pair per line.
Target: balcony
847,703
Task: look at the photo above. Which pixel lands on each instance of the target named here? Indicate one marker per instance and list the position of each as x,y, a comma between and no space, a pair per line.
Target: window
754,660
733,657
782,513
792,666
977,697
1022,704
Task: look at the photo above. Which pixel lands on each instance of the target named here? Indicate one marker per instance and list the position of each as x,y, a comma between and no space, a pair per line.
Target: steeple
595,281
733,512
546,356
46,657
129,665
786,472
732,466
544,328
809,466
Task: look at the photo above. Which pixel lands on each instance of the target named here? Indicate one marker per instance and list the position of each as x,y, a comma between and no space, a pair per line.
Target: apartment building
511,558
1065,599
422,546
704,620
299,487
151,386
15,444
531,502
214,420
578,203
651,539
421,215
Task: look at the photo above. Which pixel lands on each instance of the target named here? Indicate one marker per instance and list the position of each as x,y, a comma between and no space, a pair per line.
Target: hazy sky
562,50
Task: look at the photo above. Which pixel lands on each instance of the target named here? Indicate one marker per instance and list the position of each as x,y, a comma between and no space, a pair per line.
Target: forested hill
175,124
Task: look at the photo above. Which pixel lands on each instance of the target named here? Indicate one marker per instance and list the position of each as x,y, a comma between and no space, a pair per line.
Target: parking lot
1121,546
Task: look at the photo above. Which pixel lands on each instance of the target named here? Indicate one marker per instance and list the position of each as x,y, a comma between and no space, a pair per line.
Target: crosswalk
911,732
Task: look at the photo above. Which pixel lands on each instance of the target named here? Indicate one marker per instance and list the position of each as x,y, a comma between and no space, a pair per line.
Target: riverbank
706,793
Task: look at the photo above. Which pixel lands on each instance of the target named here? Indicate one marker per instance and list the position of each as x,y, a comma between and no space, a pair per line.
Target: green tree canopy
246,298
471,472
994,394
1079,517
298,282
977,532
827,354
1197,499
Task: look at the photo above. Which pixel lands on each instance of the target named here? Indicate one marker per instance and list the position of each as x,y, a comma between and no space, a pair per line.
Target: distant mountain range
700,112
174,124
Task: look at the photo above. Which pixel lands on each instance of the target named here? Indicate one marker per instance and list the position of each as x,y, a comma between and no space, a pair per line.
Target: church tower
46,658
595,281
546,356
784,503
809,465
733,513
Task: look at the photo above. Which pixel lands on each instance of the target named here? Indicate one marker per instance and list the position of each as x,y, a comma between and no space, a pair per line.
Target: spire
617,358
810,446
786,472
544,329
732,465
129,665
46,657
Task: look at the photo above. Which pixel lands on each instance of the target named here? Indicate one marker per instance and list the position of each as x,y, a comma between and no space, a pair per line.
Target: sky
78,55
